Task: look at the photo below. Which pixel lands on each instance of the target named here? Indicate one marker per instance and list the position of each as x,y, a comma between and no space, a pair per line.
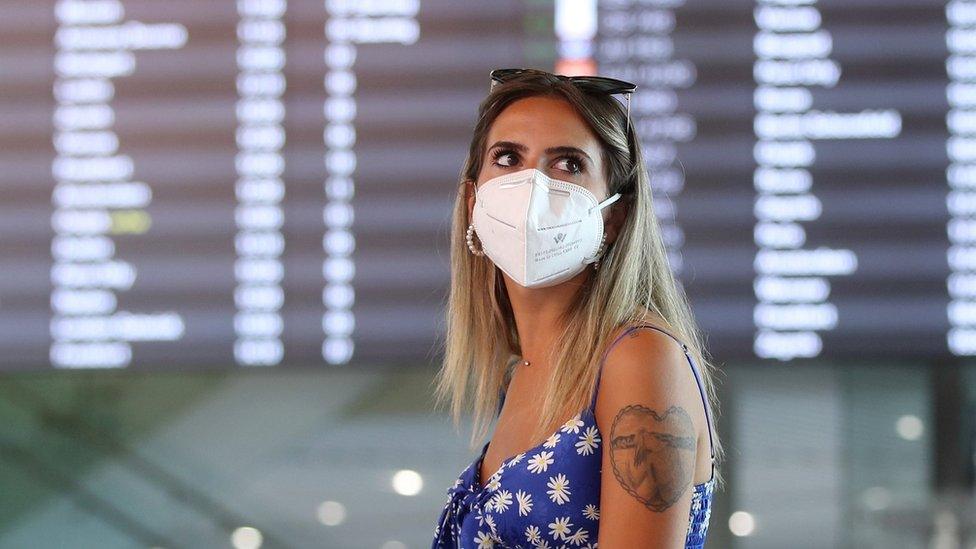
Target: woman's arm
644,411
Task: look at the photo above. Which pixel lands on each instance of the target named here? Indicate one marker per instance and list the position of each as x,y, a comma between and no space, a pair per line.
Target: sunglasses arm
628,114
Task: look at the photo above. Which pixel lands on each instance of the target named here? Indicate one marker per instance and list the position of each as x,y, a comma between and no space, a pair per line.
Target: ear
616,214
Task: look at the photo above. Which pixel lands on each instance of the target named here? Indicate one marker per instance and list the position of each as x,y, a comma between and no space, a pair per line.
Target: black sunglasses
600,84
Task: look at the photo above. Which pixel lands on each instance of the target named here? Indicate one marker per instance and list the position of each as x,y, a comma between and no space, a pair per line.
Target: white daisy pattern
484,541
479,515
490,521
501,500
559,529
547,497
588,441
524,502
579,537
558,489
494,482
572,426
551,441
540,462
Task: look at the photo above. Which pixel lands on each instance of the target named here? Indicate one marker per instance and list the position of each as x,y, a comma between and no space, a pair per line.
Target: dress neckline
501,467
484,450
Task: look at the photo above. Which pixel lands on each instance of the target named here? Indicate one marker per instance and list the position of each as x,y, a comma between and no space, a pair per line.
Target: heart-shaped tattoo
653,455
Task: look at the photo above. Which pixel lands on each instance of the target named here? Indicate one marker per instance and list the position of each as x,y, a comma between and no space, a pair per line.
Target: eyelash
575,158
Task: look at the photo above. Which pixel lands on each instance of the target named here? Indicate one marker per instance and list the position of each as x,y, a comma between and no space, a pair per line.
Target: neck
538,313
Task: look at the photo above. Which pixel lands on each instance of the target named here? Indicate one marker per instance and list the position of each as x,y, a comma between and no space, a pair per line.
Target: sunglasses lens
596,83
608,85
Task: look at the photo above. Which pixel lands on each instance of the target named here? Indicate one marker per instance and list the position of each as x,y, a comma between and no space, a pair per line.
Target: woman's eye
501,155
571,165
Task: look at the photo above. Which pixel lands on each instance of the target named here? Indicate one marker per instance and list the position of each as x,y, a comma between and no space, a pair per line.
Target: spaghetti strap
694,370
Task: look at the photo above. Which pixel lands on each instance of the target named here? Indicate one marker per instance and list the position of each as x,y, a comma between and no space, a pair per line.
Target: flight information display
266,182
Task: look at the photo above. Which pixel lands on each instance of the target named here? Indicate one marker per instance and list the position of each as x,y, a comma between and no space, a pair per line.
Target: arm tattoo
653,455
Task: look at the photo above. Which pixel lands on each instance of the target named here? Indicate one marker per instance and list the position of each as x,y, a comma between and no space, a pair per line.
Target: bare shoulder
646,362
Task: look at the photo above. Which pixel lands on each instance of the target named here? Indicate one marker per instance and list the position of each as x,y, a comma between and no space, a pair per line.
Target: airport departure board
256,183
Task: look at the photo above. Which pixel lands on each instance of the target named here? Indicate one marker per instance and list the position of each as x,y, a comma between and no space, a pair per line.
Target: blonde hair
634,276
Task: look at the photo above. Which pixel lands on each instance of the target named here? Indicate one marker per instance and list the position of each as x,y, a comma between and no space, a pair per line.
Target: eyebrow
564,149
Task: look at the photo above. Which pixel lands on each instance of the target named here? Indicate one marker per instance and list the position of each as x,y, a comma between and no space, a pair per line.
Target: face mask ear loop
607,202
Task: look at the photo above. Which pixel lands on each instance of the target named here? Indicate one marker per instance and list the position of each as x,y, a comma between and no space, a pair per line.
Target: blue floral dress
549,496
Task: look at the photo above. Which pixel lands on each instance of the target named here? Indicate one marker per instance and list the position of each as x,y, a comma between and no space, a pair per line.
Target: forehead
541,122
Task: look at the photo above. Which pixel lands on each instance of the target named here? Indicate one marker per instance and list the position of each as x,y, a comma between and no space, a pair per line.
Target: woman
564,316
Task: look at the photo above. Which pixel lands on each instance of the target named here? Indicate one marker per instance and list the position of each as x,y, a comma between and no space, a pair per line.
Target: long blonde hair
481,343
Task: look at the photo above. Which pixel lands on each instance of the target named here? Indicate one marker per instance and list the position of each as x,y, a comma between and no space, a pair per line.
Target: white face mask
538,230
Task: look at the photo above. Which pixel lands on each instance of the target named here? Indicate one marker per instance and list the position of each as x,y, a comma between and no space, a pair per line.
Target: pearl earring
599,252
470,238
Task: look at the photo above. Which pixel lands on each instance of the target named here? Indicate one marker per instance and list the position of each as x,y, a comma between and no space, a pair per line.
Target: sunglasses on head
600,84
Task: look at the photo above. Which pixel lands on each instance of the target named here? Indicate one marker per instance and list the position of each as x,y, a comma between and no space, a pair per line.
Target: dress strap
694,370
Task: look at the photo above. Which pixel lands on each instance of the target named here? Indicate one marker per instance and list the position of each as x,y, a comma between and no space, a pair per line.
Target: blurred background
224,258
